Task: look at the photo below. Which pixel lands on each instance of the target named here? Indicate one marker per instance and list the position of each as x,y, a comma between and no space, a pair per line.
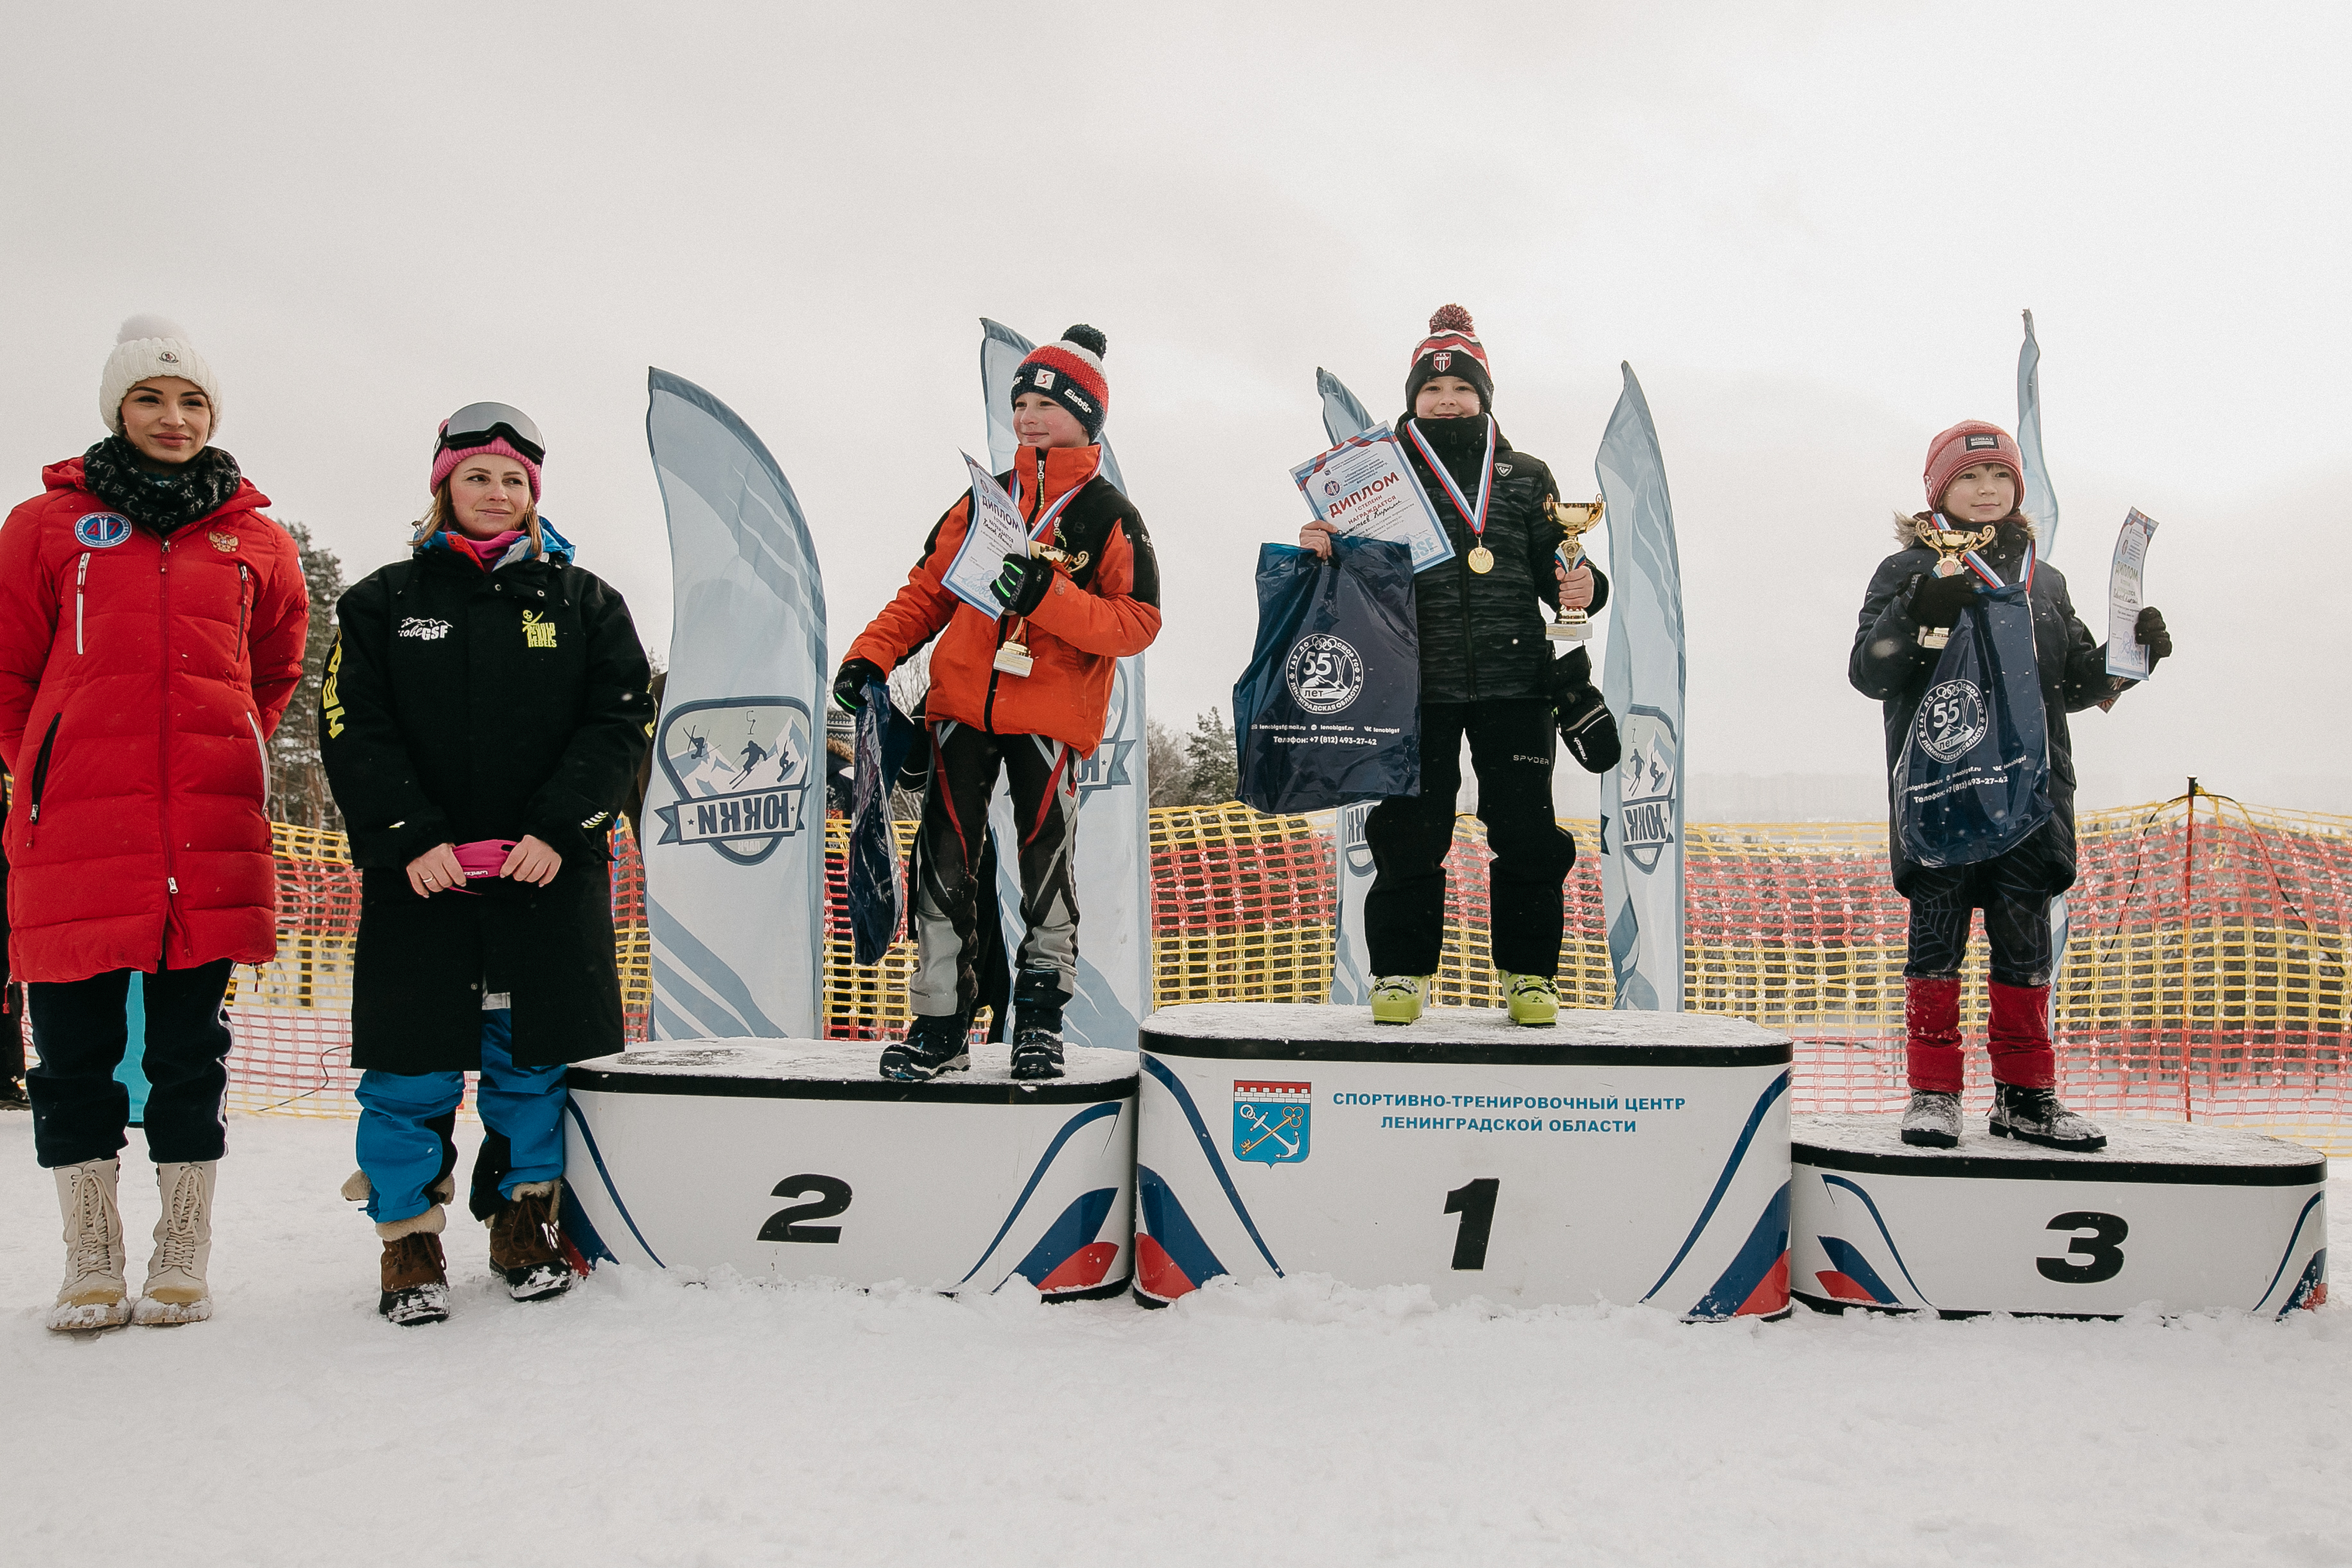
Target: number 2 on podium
832,1197
1474,1202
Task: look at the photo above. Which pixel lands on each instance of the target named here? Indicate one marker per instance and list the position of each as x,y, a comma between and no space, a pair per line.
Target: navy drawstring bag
877,899
1973,779
1329,710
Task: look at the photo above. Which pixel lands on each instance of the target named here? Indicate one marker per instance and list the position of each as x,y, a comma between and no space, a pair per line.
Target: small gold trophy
1949,544
1576,518
1012,655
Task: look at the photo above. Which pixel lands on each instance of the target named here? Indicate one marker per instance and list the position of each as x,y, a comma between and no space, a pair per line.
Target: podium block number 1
832,1197
1475,1204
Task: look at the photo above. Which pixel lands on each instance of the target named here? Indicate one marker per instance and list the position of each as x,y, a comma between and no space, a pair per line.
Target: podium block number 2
832,1197
1475,1204
2102,1249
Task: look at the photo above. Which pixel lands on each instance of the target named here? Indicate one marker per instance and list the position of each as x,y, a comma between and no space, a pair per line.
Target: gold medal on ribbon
1482,561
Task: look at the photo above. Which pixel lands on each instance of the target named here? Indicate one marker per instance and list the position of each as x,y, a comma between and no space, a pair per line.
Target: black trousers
949,855
1512,744
80,1112
2013,891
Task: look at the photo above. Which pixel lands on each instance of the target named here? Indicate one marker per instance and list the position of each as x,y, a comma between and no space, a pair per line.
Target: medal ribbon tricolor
1477,519
1983,569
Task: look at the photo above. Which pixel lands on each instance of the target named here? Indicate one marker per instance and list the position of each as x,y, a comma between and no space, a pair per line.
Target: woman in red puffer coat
151,628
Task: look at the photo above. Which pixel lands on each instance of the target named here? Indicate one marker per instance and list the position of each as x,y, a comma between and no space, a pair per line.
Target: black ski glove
850,686
1938,601
2150,630
1021,587
1590,729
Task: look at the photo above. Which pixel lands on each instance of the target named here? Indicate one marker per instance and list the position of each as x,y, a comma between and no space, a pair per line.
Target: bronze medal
1482,559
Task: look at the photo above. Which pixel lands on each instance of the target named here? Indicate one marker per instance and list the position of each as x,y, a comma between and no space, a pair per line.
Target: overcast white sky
1809,228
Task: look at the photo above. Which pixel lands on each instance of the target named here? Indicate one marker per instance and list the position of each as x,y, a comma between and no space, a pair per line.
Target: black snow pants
1041,774
1512,744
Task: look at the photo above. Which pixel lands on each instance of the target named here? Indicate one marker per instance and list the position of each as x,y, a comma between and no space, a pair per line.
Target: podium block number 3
2103,1247
832,1197
1475,1204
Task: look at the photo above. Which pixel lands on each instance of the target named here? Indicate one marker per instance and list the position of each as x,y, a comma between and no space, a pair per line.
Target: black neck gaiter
159,502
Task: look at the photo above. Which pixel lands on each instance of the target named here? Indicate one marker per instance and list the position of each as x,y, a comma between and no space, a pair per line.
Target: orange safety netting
2204,974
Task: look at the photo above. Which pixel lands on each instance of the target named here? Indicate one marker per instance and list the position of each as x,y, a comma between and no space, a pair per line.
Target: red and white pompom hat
1452,348
1070,372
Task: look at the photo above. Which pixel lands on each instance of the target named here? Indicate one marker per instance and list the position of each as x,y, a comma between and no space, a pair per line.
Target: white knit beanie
147,347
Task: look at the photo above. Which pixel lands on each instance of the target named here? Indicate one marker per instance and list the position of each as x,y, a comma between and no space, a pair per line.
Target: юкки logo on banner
1646,783
1325,673
1106,767
741,768
1271,1121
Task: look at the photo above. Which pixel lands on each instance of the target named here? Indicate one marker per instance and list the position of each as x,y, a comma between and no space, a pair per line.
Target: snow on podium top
1471,1027
2129,1144
821,1061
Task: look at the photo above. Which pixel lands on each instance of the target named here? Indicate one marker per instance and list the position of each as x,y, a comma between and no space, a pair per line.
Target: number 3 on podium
1474,1202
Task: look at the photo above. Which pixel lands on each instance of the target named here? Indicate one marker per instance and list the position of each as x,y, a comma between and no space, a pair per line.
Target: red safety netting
2204,973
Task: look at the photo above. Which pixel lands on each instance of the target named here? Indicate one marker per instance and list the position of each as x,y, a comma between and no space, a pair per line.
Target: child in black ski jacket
1972,480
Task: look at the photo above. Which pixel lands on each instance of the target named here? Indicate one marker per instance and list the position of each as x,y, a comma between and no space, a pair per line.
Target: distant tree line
1196,769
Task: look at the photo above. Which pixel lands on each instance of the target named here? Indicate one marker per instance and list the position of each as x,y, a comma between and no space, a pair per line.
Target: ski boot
526,1247
935,1043
1534,999
13,1096
2036,1116
1399,998
1932,1120
1038,1025
176,1291
93,1294
415,1278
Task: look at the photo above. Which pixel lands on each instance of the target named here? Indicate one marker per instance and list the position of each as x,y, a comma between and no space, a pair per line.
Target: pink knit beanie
445,463
1965,445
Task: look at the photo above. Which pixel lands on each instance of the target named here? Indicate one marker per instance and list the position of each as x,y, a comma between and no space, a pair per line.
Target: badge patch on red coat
103,530
224,543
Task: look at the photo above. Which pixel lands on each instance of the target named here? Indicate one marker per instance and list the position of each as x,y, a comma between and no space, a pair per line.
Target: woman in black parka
1973,482
1486,673
483,715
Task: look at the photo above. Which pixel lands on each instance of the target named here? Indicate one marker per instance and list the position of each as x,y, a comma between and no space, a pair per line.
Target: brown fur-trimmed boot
526,1247
415,1278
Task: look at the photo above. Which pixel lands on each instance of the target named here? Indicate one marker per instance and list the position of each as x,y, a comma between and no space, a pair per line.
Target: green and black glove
1020,586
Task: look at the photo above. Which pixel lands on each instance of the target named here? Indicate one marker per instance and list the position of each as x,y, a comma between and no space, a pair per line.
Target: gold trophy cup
1576,518
1949,544
1012,655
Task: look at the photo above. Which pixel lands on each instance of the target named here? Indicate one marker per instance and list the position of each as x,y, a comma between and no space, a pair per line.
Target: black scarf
1461,444
159,502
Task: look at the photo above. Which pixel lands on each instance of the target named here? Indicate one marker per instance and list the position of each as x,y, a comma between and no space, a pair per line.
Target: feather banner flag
1345,417
1643,681
1114,859
2040,504
735,872
2040,501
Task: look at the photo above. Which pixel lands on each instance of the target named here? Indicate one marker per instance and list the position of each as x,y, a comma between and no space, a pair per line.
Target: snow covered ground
648,1420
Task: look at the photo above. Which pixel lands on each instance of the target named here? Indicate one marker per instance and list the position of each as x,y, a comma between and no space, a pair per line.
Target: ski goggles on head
480,424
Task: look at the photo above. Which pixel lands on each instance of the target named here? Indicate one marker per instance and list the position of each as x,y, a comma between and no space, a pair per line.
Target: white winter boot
93,1295
176,1291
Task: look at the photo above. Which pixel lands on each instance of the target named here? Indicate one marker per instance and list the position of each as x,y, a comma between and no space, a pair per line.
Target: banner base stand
2170,1216
794,1159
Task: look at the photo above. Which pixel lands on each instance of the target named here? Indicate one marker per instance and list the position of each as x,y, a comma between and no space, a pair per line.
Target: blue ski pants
406,1120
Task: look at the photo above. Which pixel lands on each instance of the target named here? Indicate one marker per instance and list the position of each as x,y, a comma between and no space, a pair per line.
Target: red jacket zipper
162,740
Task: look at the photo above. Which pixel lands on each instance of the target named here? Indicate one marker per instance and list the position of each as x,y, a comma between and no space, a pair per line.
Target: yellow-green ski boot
1399,998
1534,998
